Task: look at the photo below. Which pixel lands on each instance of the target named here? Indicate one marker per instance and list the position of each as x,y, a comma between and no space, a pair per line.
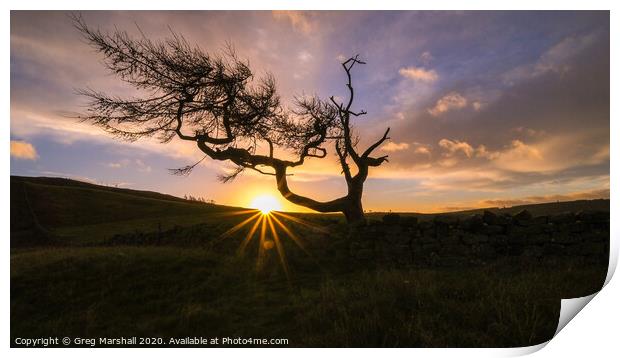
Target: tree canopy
217,102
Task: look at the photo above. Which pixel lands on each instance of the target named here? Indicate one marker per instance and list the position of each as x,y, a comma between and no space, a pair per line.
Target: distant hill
43,207
552,208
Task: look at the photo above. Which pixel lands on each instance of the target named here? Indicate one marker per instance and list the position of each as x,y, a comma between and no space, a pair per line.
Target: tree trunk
354,212
350,205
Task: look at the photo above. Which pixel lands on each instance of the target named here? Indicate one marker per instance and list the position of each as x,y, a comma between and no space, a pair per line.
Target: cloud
482,152
420,149
555,59
299,20
426,57
23,150
585,195
419,74
456,146
304,56
449,102
395,147
142,167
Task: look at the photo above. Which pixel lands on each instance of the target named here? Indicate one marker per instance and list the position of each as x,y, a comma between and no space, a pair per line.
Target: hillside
75,212
72,209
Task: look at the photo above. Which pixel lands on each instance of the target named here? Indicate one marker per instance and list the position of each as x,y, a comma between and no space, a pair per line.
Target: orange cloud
298,19
395,147
419,74
584,195
23,150
456,146
449,102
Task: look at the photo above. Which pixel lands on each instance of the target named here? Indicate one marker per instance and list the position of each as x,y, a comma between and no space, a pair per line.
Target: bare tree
215,101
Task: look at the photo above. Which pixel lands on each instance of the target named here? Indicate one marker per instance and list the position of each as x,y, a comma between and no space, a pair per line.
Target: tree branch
374,146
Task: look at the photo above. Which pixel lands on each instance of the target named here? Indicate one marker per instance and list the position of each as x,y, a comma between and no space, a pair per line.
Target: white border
594,330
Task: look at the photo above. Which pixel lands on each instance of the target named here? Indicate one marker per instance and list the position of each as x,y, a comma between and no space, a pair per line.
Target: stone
454,250
540,220
493,229
489,217
364,254
409,221
472,239
523,215
593,216
472,223
427,239
391,219
553,249
593,249
486,252
533,251
564,218
450,239
431,247
565,238
595,236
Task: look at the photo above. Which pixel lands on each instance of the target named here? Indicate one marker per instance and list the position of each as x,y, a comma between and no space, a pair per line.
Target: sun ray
301,221
261,243
237,227
296,239
250,235
279,247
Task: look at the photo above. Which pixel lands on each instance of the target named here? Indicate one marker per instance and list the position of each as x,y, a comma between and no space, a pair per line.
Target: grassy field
77,282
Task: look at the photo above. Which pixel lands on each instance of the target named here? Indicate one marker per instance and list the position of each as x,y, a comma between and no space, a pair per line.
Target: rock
593,216
409,221
454,250
533,251
566,238
473,223
472,239
441,229
391,219
553,249
540,220
593,249
539,238
446,219
428,248
493,229
364,254
427,239
523,215
564,218
595,236
425,225
489,217
486,252
450,239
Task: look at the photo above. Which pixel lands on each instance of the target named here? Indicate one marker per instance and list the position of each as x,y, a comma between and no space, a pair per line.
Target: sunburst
268,225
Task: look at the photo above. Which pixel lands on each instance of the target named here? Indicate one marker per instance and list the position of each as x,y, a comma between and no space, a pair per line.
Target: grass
177,292
190,282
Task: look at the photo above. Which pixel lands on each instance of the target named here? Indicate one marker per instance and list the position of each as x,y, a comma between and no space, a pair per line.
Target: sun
266,204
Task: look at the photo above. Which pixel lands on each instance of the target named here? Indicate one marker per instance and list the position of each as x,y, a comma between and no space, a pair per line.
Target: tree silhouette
216,102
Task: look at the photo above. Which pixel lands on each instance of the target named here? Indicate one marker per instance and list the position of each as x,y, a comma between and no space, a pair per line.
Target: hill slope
69,208
82,213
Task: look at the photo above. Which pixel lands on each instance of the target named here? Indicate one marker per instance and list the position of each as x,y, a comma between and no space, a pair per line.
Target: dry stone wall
479,239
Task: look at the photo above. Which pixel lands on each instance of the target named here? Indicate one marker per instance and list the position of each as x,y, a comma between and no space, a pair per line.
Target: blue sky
486,108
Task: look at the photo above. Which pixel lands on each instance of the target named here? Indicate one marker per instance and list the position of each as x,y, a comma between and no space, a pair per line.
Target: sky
485,108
